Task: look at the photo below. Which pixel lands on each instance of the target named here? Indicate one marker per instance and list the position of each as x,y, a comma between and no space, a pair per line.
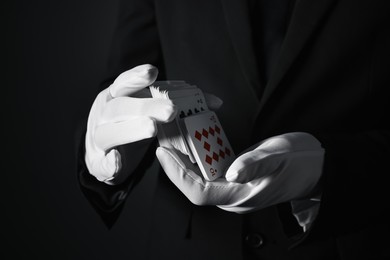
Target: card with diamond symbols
208,143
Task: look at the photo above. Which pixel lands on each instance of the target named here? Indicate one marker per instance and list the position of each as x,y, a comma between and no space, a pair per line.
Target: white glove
279,169
116,118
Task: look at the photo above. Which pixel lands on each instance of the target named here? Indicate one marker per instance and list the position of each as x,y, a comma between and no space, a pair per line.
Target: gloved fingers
110,135
290,142
103,166
213,102
191,184
109,166
252,165
133,80
268,156
121,108
177,171
239,209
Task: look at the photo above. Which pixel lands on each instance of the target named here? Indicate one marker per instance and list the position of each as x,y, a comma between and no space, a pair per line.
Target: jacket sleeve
106,199
356,165
135,42
353,184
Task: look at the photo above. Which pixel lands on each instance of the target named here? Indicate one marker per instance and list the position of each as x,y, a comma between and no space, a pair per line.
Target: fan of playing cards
196,131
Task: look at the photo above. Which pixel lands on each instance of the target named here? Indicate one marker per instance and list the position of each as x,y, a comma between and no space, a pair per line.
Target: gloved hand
279,169
122,114
125,113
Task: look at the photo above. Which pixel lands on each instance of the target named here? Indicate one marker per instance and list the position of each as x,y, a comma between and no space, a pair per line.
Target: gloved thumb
252,165
213,102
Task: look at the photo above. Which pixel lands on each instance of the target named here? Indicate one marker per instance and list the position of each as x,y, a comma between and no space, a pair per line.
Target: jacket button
254,240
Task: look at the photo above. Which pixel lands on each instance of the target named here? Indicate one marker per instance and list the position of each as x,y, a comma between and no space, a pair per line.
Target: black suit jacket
331,80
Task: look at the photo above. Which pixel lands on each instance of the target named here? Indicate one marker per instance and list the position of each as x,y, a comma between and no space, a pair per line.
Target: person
301,89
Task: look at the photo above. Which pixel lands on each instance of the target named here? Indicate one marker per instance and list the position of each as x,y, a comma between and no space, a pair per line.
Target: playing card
195,131
208,143
190,105
189,101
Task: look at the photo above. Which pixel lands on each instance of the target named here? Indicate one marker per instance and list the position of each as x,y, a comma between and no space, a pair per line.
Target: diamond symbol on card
208,159
211,131
206,146
198,135
217,129
219,141
227,151
205,133
222,154
215,156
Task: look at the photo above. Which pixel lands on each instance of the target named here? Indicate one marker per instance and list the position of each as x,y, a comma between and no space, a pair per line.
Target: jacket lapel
304,21
240,31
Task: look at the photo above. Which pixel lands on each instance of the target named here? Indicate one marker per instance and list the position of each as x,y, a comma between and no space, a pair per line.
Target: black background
55,55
